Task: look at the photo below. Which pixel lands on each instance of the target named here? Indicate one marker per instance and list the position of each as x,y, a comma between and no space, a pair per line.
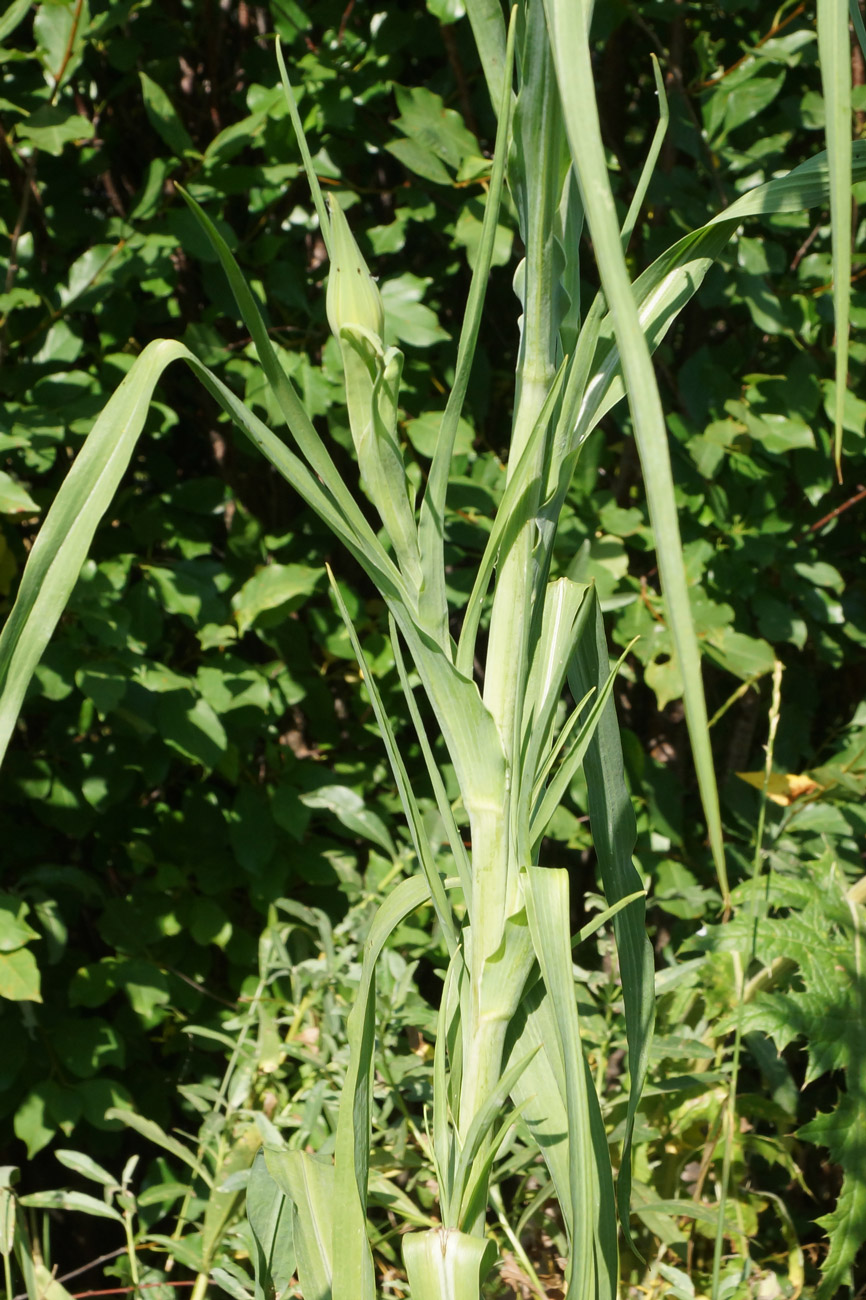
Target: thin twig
125,1290
834,514
774,31
67,53
804,247
83,1268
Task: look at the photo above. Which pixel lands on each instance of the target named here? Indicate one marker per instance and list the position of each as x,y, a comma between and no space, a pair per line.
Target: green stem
130,1250
199,1290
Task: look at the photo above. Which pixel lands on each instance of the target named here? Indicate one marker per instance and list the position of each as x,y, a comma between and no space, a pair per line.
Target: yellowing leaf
783,787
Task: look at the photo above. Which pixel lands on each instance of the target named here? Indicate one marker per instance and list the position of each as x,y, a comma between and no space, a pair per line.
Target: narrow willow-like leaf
152,1132
83,1202
834,53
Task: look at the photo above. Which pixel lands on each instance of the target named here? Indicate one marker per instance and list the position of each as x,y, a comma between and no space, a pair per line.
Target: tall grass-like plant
509,1036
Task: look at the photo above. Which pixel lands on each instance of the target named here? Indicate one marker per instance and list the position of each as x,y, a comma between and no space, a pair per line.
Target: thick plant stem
535,179
498,958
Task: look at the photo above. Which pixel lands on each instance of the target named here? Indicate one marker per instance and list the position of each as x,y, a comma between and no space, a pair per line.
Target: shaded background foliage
195,746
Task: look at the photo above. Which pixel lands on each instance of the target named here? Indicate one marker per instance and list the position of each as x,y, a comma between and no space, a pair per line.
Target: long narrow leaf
64,539
353,1261
574,757
488,29
510,518
593,1263
455,840
664,288
575,79
432,516
401,777
482,1123
366,544
834,52
308,1182
651,158
312,178
614,831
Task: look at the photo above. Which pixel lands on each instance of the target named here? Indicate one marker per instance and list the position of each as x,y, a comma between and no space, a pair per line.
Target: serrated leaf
843,1132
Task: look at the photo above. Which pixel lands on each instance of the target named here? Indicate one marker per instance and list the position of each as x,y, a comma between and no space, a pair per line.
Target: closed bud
352,298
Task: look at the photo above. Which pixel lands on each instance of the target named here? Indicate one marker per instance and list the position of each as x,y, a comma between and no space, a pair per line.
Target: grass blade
570,46
432,515
353,1261
488,29
64,539
834,54
366,544
614,832
455,839
651,158
593,1264
308,1182
401,776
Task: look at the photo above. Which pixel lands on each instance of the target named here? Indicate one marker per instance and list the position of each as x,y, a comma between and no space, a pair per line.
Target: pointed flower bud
352,298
